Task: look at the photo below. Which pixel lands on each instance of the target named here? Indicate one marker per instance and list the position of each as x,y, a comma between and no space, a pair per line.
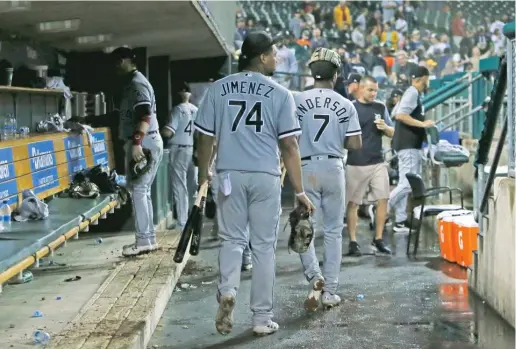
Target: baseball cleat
264,330
224,317
330,300
134,250
312,301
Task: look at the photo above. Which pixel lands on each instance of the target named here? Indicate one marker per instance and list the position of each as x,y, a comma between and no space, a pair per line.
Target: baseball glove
302,232
140,168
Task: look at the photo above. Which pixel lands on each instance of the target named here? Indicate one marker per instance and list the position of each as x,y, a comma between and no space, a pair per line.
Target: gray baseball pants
250,213
246,255
324,183
180,160
409,161
140,190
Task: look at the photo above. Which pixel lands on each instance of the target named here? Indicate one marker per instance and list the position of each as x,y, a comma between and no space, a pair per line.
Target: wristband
138,137
300,194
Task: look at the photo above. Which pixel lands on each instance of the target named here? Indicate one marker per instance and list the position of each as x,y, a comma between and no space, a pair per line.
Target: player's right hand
305,201
428,123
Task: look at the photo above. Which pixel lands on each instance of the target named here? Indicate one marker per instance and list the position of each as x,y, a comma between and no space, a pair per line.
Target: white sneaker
330,300
224,317
264,330
152,246
133,250
312,301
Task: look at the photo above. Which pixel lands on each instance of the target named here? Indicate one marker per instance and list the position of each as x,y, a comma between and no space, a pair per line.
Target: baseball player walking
366,167
249,114
180,128
409,133
139,128
329,124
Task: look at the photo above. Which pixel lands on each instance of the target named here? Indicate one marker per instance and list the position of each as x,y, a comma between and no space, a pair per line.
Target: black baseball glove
301,230
140,168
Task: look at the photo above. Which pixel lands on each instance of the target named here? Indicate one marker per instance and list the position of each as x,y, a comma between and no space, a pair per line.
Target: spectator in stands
345,68
476,56
342,15
240,33
408,140
296,24
379,67
401,26
482,40
374,36
467,43
389,9
430,64
376,22
499,24
302,54
345,38
434,49
415,42
358,38
362,19
389,37
410,14
458,29
388,56
308,16
317,40
402,69
498,42
356,65
305,39
286,63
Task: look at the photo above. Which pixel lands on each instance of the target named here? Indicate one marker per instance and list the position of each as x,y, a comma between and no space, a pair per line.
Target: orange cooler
466,239
446,241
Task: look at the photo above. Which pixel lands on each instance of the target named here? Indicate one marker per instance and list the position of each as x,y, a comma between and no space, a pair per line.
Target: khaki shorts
372,177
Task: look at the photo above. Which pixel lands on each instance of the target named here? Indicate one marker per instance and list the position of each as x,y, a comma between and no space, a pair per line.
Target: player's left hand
380,124
137,153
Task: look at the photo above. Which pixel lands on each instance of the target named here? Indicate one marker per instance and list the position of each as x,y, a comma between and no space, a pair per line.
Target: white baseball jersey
247,113
181,123
326,118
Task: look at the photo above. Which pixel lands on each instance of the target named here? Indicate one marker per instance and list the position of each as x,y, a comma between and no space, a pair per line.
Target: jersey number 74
253,116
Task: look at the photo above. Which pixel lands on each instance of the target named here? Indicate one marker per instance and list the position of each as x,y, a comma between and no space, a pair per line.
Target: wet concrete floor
407,304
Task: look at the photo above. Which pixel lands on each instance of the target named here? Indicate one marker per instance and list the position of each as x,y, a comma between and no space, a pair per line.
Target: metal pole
494,167
463,117
453,112
511,105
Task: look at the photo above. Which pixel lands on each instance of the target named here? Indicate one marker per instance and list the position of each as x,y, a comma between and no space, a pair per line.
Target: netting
511,104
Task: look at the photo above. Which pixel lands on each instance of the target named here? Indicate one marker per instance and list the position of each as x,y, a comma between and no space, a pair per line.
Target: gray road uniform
326,119
181,151
248,114
140,92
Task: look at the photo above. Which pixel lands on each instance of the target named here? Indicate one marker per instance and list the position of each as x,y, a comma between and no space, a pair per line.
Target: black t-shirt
409,137
371,151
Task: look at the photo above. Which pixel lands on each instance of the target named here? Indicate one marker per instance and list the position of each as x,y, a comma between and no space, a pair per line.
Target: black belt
324,156
182,145
148,134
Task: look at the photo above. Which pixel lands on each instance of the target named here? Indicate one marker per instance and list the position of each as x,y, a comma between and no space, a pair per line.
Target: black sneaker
380,246
401,227
354,249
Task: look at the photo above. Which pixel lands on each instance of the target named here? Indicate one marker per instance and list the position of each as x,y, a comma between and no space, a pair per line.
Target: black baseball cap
254,45
183,87
122,53
396,92
419,72
353,77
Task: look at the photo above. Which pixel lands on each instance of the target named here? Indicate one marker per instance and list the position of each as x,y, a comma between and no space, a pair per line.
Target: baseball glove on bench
301,230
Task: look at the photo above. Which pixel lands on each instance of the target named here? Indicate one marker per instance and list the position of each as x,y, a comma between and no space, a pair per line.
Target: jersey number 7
254,113
325,119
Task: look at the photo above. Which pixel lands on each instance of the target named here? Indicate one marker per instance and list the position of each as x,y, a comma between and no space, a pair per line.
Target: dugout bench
46,164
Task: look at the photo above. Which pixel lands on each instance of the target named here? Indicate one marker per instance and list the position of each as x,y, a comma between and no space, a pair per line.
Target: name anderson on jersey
317,102
247,87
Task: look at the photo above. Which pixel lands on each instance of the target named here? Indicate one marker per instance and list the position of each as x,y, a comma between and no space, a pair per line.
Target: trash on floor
25,277
37,314
41,337
76,278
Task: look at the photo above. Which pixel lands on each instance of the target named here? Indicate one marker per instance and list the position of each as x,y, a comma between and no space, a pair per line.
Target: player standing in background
249,114
329,124
366,167
139,129
181,131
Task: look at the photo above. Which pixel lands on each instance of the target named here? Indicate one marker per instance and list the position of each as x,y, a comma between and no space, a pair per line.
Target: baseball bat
197,227
191,225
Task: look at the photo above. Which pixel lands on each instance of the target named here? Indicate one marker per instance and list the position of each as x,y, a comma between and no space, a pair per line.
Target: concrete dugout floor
407,304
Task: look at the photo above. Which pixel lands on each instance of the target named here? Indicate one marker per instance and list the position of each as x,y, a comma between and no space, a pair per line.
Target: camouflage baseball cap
324,54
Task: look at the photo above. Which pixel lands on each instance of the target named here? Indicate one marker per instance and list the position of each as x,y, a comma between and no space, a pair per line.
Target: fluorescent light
93,39
59,26
11,6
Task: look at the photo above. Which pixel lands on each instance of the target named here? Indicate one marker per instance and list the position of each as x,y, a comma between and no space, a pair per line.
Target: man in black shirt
409,135
366,167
